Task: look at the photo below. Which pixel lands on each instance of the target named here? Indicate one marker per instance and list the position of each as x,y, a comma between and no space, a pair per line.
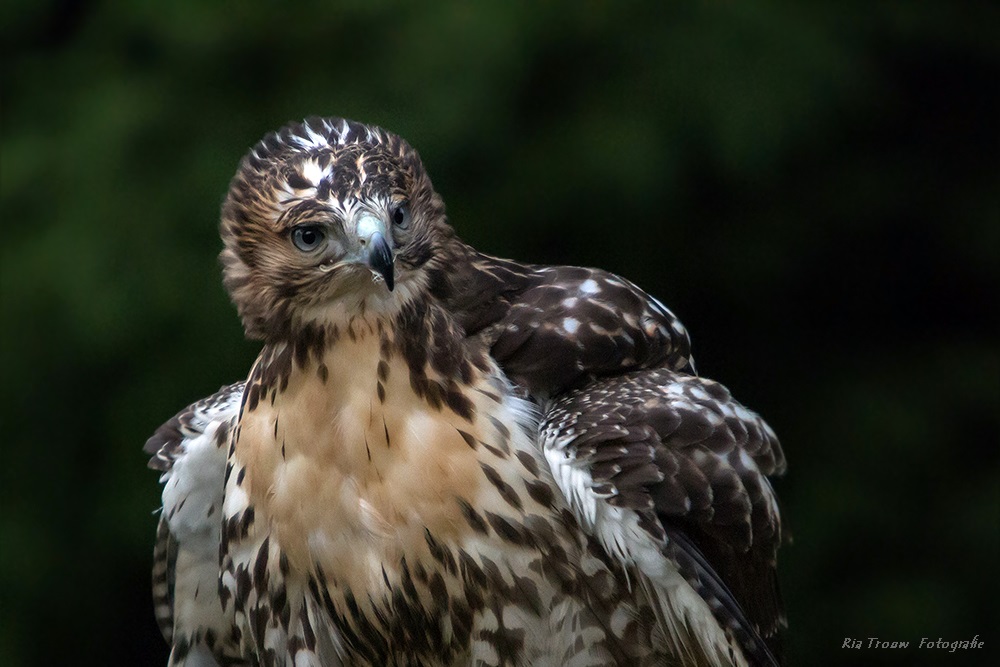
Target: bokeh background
813,189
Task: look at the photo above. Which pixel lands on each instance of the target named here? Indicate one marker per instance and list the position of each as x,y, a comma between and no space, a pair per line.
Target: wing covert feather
553,327
693,464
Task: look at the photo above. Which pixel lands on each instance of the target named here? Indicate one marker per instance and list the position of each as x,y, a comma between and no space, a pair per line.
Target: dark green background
813,190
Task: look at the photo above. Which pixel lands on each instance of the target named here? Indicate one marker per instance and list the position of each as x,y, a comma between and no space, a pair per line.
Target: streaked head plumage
326,213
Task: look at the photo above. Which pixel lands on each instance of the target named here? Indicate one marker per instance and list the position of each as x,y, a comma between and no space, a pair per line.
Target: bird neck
431,345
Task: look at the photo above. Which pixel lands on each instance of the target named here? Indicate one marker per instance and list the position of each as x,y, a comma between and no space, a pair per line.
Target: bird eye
307,237
401,215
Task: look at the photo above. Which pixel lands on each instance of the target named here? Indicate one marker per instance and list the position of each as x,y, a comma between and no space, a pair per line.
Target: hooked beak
376,251
380,258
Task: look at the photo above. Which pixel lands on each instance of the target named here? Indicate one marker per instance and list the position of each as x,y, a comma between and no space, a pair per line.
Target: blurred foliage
812,188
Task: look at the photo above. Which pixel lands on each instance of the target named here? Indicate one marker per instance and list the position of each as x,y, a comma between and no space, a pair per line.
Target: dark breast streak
494,539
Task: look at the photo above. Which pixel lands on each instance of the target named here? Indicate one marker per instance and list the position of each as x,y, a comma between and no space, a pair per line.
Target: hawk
441,457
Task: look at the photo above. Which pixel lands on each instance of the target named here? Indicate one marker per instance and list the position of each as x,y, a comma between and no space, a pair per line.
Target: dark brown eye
401,216
308,237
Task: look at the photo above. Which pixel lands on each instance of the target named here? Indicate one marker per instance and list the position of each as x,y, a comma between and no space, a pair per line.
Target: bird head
324,220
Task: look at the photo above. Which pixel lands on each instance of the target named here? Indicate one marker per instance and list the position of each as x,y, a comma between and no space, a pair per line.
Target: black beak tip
381,261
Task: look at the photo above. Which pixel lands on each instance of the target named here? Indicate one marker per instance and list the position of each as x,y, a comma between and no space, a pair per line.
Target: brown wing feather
164,446
552,327
164,572
694,463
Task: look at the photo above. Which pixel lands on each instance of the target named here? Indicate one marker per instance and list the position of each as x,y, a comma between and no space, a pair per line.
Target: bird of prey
445,458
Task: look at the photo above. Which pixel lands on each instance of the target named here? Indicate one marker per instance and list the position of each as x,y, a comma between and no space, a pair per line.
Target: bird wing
671,474
191,451
632,434
552,327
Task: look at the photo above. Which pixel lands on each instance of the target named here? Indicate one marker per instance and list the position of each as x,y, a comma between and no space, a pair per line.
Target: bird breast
350,467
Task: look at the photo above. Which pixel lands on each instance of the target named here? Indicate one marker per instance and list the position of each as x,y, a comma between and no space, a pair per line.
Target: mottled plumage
445,458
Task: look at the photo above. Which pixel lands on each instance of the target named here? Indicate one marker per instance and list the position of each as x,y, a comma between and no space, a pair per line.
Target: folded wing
191,451
671,474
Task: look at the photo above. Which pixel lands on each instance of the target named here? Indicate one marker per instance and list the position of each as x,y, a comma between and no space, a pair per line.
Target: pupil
308,236
398,216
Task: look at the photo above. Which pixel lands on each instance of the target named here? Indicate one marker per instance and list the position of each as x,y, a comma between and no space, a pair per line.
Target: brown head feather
319,171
